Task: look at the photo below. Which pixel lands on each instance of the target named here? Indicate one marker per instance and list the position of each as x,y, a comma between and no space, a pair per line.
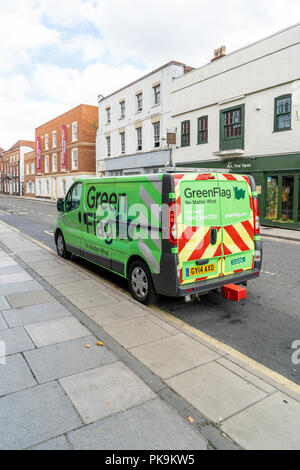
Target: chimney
219,53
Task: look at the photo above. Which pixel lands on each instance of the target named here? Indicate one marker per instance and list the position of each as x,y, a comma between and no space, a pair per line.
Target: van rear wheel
61,247
140,283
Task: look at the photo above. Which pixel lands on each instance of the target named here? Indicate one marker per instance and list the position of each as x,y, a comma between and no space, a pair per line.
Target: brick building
29,174
65,150
12,168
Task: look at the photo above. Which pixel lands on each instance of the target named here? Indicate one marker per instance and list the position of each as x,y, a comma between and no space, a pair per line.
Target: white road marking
270,274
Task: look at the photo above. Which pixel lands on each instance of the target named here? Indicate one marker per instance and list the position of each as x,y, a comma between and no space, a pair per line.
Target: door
72,219
237,219
199,227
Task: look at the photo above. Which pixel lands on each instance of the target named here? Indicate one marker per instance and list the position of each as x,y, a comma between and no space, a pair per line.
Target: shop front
278,184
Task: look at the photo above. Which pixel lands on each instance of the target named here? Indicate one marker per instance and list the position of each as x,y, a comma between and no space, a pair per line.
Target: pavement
84,366
282,234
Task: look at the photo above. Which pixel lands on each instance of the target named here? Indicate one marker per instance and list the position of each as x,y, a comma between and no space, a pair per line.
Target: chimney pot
219,53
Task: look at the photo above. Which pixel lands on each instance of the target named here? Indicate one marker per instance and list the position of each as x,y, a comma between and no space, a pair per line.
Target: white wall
165,77
257,75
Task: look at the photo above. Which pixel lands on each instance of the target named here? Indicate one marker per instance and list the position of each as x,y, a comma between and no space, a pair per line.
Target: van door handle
213,236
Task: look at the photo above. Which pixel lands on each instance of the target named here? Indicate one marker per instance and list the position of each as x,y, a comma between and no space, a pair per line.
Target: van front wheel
140,283
61,247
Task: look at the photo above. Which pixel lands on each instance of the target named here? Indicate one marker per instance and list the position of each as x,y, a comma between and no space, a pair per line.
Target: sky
56,54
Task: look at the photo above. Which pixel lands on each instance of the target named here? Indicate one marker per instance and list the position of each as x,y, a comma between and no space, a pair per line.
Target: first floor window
232,128
108,116
283,113
185,134
203,130
32,168
156,128
46,142
27,169
54,163
123,143
139,102
108,150
74,159
54,140
139,139
47,164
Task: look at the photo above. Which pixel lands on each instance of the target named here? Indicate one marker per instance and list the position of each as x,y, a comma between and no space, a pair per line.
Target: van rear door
237,218
199,226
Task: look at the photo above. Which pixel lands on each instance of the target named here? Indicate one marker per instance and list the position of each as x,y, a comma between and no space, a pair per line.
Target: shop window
272,198
232,128
283,113
287,198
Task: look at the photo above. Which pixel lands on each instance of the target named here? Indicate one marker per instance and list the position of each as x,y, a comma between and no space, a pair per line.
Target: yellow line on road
42,245
229,350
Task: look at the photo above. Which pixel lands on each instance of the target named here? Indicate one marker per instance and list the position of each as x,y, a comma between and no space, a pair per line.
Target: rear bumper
213,284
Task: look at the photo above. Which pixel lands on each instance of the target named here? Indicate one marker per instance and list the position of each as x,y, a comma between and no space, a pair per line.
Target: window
156,130
54,163
74,132
139,99
283,113
32,168
108,116
47,164
185,134
46,142
123,142
74,197
27,169
156,91
64,187
203,130
74,159
123,109
139,139
108,150
48,187
54,140
40,187
232,128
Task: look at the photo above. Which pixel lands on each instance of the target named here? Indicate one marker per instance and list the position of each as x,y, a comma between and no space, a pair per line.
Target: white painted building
133,123
242,111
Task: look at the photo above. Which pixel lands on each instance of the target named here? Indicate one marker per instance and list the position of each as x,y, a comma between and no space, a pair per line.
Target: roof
22,143
66,112
172,62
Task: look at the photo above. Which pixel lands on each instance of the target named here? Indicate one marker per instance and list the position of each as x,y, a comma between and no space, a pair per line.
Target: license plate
199,270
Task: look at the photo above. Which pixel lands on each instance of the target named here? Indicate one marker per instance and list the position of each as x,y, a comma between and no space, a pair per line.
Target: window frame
155,125
74,125
54,140
72,157
139,100
200,119
235,142
54,159
108,115
123,143
183,144
47,167
108,147
46,141
156,94
139,139
122,109
279,98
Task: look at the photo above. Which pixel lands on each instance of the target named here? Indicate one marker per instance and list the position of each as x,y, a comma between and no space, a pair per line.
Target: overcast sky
56,54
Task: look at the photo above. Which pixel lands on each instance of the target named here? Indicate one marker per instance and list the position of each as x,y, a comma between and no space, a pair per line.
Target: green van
173,234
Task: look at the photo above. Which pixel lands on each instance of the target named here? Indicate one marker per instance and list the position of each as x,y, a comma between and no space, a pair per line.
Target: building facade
12,168
29,174
242,112
65,150
133,123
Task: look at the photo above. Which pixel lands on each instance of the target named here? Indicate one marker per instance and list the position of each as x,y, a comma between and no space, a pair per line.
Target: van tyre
61,247
140,283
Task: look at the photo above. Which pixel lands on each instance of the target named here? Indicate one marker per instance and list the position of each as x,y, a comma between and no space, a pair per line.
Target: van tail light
256,216
172,224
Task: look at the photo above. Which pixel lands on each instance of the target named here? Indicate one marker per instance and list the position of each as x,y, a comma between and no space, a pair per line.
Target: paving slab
58,279
272,424
15,375
26,299
174,355
4,305
80,287
36,255
247,376
215,391
15,288
18,277
105,391
3,325
59,443
48,271
89,299
150,426
114,313
136,332
35,415
16,341
35,314
10,269
7,262
56,331
59,359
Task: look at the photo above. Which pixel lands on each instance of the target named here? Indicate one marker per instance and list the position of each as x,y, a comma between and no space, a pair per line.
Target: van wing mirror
61,205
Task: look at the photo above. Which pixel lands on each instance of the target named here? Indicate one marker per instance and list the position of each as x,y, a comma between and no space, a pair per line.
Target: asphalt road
264,327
